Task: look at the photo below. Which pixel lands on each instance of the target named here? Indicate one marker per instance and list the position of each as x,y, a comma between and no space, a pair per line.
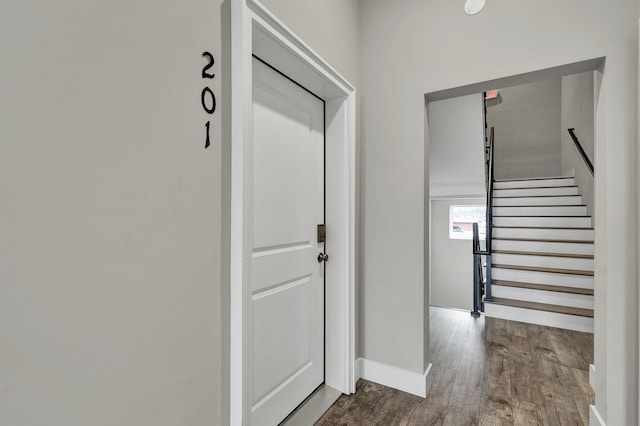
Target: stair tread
538,178
545,287
537,253
540,269
543,307
544,217
527,188
538,196
543,240
542,227
532,187
545,205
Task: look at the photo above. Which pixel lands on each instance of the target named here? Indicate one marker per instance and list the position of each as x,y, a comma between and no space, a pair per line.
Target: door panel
287,282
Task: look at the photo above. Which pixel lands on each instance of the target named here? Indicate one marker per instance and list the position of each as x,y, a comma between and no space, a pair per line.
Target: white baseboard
394,377
594,417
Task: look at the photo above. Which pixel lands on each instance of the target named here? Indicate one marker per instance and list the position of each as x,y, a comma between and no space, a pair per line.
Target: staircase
542,254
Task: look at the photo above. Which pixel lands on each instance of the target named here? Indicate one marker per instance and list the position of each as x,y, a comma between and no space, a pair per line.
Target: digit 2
205,74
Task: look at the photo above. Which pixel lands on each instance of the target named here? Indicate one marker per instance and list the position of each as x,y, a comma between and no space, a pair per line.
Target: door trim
254,30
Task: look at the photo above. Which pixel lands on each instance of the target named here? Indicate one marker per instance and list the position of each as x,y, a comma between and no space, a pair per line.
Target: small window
461,219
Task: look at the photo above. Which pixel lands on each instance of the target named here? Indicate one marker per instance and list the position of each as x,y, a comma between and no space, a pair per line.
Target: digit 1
207,142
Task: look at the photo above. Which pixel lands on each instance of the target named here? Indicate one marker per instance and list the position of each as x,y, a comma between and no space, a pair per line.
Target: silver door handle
322,257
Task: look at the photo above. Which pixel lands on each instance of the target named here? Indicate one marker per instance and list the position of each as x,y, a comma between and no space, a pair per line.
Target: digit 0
210,106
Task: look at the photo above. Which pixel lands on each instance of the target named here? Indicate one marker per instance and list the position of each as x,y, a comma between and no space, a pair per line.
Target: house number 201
207,97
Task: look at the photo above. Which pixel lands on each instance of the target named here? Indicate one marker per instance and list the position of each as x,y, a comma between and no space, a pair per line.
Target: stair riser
534,183
543,247
541,211
542,296
530,192
545,234
554,222
543,261
575,200
547,278
530,316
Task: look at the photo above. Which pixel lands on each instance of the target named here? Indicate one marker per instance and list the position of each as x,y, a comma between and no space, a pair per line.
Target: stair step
547,263
555,297
541,314
535,191
558,247
544,253
537,276
544,307
544,241
540,210
547,254
565,234
538,200
534,183
543,222
573,290
567,271
542,261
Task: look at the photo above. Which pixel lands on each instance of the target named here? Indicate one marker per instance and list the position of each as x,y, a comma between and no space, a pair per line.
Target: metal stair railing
583,154
482,284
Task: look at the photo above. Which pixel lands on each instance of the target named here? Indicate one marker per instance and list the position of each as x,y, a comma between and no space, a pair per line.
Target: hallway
485,371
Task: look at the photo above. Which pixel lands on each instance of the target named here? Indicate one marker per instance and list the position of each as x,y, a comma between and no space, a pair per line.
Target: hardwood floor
486,371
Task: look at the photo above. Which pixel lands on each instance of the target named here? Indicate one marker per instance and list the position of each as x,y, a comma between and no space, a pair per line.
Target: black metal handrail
489,185
583,154
477,273
480,290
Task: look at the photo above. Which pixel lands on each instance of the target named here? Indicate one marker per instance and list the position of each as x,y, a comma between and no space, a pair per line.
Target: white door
287,280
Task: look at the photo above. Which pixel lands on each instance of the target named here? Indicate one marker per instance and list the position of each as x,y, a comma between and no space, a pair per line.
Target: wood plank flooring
486,371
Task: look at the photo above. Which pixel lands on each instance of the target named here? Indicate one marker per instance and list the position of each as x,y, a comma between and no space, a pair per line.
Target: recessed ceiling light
472,7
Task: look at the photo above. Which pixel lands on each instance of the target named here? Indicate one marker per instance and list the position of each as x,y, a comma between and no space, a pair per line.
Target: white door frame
254,30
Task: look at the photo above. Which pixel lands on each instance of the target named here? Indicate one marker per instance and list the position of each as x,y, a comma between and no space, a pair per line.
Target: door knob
322,257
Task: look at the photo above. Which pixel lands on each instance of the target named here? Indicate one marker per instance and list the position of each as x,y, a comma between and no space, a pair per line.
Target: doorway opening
528,112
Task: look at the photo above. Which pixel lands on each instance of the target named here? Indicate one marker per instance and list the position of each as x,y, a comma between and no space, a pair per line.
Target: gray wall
111,306
413,47
526,120
451,260
330,27
110,248
456,160
456,169
578,109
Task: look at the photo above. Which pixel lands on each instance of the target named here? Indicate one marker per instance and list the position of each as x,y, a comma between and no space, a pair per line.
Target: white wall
527,142
456,160
111,309
413,47
451,259
330,27
110,248
578,109
456,169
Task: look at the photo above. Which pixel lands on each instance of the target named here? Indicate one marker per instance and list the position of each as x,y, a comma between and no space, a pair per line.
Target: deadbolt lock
322,233
322,257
